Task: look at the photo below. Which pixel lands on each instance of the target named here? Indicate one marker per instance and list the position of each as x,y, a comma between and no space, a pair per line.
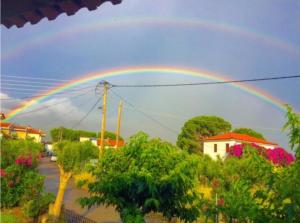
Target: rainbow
142,70
253,35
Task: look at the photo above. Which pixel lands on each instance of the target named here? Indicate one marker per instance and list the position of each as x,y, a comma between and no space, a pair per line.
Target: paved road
99,214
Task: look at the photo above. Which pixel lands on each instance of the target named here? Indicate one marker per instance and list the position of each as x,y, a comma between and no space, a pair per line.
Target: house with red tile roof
219,145
21,132
107,142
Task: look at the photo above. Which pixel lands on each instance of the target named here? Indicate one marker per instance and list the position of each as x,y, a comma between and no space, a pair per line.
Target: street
99,214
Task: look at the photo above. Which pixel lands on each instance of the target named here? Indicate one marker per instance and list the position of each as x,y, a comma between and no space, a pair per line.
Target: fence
73,217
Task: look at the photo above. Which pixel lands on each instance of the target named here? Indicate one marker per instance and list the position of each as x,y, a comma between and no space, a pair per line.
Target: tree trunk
63,182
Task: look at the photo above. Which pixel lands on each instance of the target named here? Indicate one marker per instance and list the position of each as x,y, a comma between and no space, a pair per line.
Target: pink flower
2,172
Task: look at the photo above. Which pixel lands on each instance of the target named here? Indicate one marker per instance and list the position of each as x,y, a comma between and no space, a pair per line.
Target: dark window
227,147
215,148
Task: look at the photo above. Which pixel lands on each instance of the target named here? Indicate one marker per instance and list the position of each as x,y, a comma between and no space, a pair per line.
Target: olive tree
146,176
71,158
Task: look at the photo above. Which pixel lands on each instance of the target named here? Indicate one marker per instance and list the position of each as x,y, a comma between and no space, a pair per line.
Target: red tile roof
5,124
19,12
111,142
239,137
14,127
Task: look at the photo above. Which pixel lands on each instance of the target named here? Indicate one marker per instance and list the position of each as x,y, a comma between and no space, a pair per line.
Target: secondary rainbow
142,70
129,22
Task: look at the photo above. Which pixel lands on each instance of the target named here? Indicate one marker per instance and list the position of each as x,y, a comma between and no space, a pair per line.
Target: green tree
62,133
197,128
293,126
249,132
146,176
71,159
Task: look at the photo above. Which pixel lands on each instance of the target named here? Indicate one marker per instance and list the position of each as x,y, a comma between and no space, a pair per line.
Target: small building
219,145
108,143
22,132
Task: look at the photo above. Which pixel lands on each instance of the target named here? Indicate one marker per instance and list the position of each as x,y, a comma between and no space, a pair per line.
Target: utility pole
103,124
119,123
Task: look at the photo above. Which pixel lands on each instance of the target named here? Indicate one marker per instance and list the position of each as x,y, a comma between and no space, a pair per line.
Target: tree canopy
62,133
146,176
249,132
197,128
71,158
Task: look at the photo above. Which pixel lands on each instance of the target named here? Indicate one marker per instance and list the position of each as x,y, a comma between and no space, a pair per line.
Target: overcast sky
237,38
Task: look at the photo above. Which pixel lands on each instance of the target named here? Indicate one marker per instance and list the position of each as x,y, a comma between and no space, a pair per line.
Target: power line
144,113
206,83
33,78
47,106
87,114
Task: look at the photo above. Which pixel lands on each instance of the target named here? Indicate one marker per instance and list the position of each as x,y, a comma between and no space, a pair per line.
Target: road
99,214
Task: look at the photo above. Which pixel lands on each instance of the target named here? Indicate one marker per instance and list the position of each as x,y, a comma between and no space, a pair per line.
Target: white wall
208,147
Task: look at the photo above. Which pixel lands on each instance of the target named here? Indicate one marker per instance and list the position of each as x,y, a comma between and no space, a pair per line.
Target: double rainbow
142,70
177,22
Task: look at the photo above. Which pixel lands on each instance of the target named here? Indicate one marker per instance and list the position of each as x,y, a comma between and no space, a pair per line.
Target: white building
219,145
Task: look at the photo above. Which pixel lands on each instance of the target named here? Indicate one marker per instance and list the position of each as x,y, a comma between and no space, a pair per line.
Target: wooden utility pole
119,123
103,124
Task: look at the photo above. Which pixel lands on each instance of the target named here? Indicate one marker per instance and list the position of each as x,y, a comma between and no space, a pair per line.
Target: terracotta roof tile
5,124
111,142
240,137
16,12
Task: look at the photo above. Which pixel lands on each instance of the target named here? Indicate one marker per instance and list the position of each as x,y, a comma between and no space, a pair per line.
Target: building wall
208,148
20,135
36,137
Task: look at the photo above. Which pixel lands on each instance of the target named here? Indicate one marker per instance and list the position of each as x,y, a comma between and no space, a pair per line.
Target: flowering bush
24,161
278,156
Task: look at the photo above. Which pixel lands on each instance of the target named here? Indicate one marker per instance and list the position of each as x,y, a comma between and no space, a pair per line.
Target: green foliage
293,126
39,205
21,184
72,156
249,132
11,149
8,218
60,134
197,128
146,176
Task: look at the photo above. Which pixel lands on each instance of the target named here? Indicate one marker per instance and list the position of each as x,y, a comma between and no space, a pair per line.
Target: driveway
99,214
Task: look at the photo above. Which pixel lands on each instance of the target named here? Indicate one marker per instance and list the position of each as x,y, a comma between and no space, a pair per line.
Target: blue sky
238,56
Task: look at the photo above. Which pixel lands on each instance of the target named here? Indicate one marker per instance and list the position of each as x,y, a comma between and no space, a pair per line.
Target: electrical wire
144,113
205,83
48,106
87,114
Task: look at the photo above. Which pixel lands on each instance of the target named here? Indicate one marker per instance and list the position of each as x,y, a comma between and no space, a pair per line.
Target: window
227,147
215,148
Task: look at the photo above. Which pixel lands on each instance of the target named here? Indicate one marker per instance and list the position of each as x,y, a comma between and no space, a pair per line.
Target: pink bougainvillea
277,156
24,161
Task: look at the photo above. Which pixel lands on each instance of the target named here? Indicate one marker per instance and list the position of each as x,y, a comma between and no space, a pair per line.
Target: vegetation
249,132
21,184
71,159
60,134
197,128
146,176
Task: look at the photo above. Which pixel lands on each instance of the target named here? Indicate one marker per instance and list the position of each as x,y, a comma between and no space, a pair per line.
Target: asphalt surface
99,214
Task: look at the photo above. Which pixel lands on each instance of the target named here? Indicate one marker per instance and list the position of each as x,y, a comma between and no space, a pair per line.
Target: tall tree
146,176
197,128
71,158
249,132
